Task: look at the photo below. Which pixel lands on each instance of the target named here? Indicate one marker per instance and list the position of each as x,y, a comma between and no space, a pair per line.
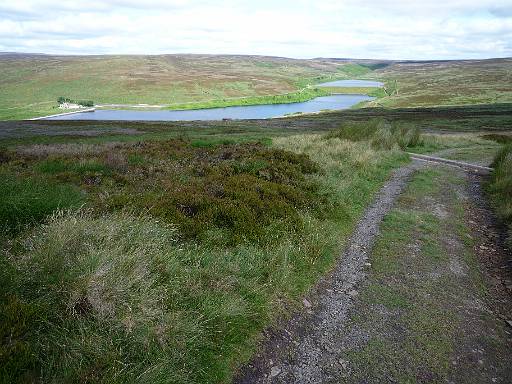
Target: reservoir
266,111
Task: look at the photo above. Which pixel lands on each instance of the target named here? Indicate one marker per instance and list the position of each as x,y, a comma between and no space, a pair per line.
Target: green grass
483,154
26,200
60,166
370,91
388,296
411,291
292,97
184,252
355,69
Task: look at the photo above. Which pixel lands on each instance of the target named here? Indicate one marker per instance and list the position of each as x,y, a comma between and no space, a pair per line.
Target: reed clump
380,133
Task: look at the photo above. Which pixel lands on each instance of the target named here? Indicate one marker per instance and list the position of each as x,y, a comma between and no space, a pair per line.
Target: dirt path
428,302
306,347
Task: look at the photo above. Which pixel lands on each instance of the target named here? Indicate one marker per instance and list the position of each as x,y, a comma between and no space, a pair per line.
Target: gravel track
306,348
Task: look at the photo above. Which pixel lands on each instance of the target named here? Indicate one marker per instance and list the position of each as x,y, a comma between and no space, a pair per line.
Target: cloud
504,11
392,29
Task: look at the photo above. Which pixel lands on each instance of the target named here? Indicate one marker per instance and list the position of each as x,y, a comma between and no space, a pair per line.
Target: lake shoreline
334,95
48,117
245,112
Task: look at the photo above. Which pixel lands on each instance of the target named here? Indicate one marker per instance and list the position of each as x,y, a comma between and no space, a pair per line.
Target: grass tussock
500,186
85,284
111,297
498,137
380,133
25,200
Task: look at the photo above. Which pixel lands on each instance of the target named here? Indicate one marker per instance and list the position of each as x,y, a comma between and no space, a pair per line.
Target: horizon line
248,55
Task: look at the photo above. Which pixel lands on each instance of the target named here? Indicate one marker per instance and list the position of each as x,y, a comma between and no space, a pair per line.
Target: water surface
333,102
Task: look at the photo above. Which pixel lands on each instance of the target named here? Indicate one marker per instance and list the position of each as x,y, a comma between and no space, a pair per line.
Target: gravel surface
306,348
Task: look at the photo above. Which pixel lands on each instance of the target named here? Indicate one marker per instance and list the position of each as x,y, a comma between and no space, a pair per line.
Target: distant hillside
31,83
459,82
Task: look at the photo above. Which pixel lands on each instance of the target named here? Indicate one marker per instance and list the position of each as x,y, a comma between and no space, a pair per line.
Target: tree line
84,103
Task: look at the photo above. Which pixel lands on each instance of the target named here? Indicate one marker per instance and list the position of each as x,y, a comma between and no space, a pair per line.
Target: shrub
84,103
238,188
62,100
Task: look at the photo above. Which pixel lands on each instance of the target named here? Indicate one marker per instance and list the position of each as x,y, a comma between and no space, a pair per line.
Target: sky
383,29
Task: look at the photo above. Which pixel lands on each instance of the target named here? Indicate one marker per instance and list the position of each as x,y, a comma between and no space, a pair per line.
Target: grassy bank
182,254
500,186
293,97
370,91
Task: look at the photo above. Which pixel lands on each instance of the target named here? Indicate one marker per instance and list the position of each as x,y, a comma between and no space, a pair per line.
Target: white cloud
301,28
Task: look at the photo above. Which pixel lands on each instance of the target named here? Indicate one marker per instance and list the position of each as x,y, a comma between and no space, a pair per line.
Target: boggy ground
433,307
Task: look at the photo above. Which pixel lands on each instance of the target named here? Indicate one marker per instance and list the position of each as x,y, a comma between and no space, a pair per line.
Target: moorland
32,84
161,251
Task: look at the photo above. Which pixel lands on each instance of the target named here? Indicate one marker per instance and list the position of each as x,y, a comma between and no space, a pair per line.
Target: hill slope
447,82
32,83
